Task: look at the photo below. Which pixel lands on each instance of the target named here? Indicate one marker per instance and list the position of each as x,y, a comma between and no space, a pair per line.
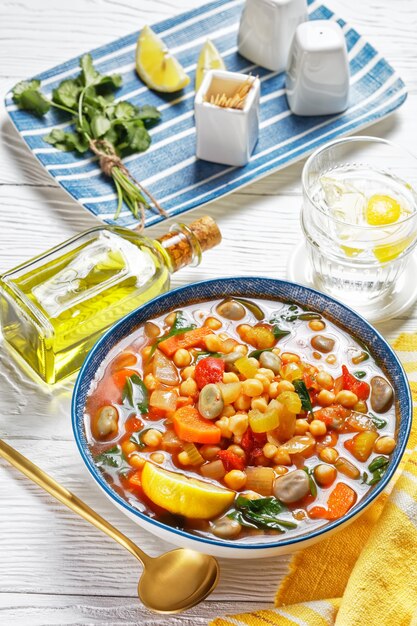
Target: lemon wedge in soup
209,59
156,66
382,210
184,496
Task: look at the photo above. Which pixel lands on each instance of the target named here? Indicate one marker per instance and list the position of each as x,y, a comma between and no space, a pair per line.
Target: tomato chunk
231,460
209,370
358,387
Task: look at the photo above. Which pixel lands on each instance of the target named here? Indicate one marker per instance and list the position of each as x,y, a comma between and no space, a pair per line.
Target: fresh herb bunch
110,129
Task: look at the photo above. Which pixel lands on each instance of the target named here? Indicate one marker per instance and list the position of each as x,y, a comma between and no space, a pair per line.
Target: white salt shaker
226,135
266,31
317,79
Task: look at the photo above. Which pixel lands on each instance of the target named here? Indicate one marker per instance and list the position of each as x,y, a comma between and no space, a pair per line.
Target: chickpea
235,479
346,398
238,424
325,380
301,427
318,428
265,371
170,319
150,382
209,452
223,424
188,372
151,330
242,403
242,349
254,362
280,470
361,407
252,387
146,353
260,404
317,325
269,450
128,447
237,450
243,330
285,385
213,323
281,457
188,387
228,345
317,355
152,438
331,359
213,343
183,458
230,377
384,445
329,455
182,358
157,457
325,474
228,411
136,461
289,357
264,381
326,398
273,390
224,336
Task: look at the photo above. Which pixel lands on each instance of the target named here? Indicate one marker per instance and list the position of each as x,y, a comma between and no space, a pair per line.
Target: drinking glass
359,217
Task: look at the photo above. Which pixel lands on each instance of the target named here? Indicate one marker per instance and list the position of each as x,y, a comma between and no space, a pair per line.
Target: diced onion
298,444
164,400
164,369
260,479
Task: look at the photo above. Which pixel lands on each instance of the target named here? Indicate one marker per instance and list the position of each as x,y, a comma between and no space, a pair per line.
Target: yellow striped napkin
365,575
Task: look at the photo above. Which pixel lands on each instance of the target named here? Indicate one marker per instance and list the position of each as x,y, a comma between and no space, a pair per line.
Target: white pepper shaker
317,79
266,31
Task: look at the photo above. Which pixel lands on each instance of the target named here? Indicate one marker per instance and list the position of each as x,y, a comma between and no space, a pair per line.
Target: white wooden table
54,567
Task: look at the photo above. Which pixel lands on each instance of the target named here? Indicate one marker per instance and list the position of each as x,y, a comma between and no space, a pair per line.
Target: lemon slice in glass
184,496
382,210
156,66
209,59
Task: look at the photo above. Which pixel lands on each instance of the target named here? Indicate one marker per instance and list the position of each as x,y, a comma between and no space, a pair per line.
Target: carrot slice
189,339
340,501
135,479
190,426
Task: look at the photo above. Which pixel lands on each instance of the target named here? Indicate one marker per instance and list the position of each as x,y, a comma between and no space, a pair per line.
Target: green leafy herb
309,316
204,354
312,483
137,437
257,353
113,457
261,513
110,130
302,391
378,421
378,466
360,374
279,332
293,307
136,393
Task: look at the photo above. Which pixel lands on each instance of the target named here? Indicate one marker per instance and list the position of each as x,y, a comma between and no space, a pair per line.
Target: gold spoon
170,583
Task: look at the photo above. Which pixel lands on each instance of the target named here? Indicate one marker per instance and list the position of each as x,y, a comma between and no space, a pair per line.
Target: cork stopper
206,231
184,244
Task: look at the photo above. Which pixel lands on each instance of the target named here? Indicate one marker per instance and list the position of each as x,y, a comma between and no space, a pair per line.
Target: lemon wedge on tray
184,496
156,66
209,59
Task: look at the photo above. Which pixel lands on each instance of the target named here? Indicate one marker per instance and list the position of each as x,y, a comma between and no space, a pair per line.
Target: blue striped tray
169,169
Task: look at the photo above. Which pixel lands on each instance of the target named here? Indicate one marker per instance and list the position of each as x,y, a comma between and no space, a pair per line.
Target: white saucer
403,296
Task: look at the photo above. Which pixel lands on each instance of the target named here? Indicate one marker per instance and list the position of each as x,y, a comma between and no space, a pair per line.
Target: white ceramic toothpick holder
226,135
317,79
266,31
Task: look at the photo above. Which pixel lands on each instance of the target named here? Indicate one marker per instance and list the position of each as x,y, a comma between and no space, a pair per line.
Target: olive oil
54,307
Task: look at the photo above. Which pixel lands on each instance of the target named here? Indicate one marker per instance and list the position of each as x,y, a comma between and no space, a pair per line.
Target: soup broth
241,419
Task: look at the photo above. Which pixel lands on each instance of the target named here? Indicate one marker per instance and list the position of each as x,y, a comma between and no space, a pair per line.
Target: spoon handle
62,494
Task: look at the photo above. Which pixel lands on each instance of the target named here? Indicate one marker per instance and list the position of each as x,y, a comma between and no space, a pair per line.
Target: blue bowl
256,288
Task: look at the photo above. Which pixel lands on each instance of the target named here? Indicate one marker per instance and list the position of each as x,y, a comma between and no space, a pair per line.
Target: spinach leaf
262,513
378,466
136,393
279,332
113,457
27,96
204,354
377,463
309,316
360,374
378,421
302,391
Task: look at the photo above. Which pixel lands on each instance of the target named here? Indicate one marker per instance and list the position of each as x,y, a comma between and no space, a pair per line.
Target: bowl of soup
242,417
